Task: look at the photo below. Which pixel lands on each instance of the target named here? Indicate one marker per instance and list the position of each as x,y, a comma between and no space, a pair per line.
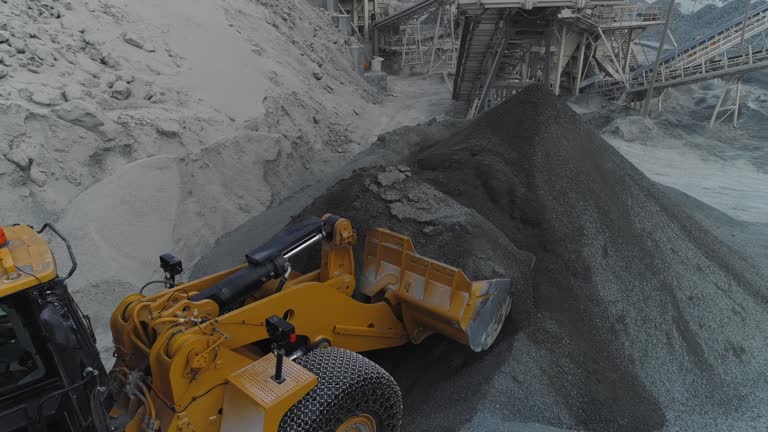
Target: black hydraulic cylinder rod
232,289
268,261
278,378
287,239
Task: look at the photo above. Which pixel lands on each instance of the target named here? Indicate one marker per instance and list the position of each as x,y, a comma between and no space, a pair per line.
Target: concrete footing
377,80
358,58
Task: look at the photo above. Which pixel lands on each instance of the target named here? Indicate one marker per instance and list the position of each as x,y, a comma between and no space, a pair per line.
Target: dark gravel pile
642,320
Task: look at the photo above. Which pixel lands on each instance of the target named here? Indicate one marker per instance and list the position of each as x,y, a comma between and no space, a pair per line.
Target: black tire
348,385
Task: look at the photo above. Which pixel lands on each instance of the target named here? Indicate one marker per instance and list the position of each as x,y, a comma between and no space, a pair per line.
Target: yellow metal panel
272,399
367,331
255,380
31,256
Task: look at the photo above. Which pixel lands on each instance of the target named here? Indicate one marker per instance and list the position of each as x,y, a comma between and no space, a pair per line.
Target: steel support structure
444,43
721,112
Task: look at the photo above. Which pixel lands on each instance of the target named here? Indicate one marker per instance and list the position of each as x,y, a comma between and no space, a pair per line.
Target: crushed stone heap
641,319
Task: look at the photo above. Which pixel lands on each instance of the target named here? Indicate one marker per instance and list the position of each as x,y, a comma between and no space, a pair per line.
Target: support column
661,98
547,61
375,43
717,107
526,66
436,39
354,14
492,71
628,53
746,21
366,18
616,63
736,107
560,53
659,53
582,47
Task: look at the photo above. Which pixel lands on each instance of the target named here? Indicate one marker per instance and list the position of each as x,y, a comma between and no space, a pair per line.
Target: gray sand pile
643,319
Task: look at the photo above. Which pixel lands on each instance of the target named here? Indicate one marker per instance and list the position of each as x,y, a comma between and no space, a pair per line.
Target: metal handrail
604,16
708,46
671,76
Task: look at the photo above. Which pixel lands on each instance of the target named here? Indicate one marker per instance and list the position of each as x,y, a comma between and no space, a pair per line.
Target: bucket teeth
490,313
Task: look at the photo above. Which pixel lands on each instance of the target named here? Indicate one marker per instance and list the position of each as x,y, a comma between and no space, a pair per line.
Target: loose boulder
80,113
133,39
19,158
168,128
633,128
17,44
120,90
7,50
38,176
47,96
72,92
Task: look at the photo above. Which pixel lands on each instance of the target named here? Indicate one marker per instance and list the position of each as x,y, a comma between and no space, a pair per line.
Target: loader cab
21,361
51,376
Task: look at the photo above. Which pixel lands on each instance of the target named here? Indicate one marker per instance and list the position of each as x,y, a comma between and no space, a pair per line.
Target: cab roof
31,257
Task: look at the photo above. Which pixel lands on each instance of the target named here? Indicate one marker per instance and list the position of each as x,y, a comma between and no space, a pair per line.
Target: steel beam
580,66
558,72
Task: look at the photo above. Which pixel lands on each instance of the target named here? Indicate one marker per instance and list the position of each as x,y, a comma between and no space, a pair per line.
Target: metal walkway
702,59
671,77
414,12
716,43
624,17
535,4
479,35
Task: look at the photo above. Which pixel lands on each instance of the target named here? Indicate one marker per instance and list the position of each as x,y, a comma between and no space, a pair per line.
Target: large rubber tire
348,385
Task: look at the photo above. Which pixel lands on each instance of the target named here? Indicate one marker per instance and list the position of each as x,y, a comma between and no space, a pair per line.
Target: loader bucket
433,297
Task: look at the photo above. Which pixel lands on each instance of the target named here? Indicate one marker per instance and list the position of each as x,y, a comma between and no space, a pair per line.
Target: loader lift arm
189,342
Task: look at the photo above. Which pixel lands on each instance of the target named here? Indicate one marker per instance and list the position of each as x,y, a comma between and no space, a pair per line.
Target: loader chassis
259,346
51,377
196,338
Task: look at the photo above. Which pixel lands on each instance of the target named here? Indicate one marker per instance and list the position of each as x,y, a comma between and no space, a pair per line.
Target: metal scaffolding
718,116
592,46
444,43
423,30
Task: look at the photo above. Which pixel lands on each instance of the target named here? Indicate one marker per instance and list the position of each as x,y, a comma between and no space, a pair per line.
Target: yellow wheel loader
261,347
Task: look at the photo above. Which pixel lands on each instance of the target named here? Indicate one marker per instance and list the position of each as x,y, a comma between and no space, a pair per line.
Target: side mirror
60,333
